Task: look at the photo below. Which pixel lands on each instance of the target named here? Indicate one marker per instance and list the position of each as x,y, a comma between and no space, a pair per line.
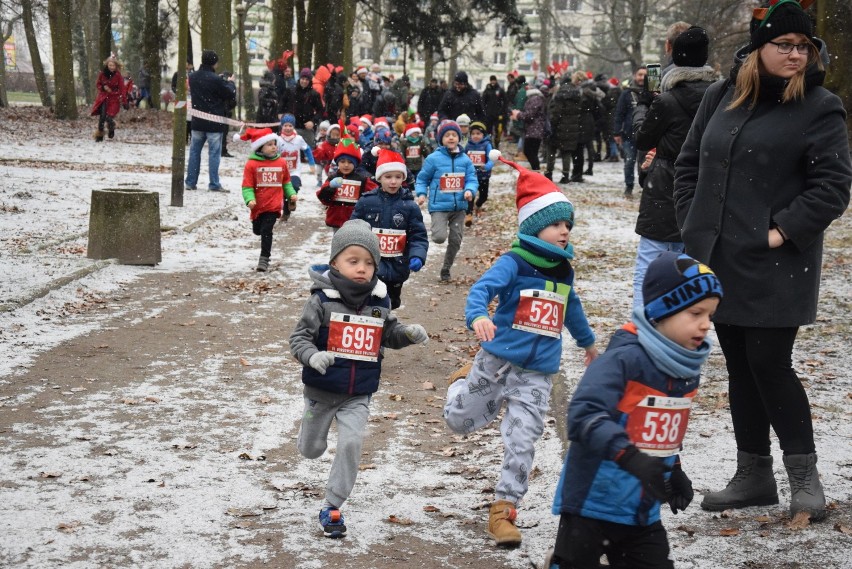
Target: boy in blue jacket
448,178
522,344
478,149
396,220
627,420
344,328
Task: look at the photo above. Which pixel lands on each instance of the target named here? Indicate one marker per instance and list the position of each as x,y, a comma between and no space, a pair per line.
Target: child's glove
647,469
417,334
415,264
336,182
320,361
679,488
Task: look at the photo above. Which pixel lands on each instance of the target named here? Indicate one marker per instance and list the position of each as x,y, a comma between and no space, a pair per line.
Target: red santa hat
412,130
367,121
257,136
381,121
540,202
389,161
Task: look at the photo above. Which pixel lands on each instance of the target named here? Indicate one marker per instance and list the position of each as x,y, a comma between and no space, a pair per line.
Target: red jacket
113,99
339,212
266,181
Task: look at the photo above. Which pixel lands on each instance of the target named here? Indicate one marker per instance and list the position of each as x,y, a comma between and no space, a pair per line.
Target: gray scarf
353,294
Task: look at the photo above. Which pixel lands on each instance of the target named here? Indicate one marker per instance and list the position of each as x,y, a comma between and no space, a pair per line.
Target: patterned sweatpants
475,401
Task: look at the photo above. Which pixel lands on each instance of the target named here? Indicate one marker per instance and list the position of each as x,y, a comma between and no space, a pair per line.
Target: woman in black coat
759,179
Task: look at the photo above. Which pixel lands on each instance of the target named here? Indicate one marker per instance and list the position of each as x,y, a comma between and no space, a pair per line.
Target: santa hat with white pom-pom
257,136
540,202
389,161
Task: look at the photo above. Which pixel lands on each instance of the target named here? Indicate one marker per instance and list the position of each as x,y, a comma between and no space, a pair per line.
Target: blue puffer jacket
395,211
442,162
509,275
592,484
483,145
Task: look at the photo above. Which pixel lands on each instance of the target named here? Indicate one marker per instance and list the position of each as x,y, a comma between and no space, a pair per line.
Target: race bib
292,160
477,157
453,182
348,192
270,176
355,337
412,152
657,425
391,241
540,312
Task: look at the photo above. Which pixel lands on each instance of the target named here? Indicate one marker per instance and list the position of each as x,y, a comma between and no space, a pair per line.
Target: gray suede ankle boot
805,488
752,485
262,264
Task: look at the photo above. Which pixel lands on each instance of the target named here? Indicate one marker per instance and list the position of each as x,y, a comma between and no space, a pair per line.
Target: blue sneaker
332,523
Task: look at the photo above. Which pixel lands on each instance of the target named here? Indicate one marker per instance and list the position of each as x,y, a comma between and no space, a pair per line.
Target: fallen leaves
247,456
52,474
729,532
69,527
401,521
801,520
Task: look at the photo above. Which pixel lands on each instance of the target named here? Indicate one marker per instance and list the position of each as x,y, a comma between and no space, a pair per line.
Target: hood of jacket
679,75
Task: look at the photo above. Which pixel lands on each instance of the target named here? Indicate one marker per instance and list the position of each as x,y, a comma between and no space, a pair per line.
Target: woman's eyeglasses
785,48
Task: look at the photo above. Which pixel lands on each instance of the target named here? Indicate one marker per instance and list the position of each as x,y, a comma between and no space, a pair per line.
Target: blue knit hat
674,282
445,127
288,119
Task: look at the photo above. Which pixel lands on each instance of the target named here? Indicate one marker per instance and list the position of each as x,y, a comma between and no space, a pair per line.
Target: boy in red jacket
266,183
346,183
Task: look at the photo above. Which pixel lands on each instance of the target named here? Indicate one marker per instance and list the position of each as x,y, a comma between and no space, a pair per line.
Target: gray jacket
743,171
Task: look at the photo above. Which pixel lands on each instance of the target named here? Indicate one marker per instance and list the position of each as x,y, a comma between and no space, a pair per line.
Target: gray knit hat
356,232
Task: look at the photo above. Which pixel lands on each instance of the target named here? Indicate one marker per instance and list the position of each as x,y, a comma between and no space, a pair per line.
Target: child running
398,222
290,146
339,340
522,345
345,185
626,424
266,187
478,150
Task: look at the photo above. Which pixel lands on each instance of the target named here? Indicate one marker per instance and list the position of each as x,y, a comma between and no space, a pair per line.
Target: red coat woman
111,96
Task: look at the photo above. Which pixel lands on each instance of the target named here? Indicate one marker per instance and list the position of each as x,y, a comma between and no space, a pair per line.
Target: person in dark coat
665,127
494,102
764,171
534,118
609,104
429,99
462,99
267,101
111,97
213,95
307,107
622,127
564,112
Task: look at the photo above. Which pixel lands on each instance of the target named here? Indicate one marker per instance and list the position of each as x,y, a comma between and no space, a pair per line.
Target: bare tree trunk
217,32
377,32
81,52
544,19
428,66
334,32
348,59
35,56
179,118
5,33
91,30
454,61
59,15
832,19
305,47
151,49
245,85
282,28
104,29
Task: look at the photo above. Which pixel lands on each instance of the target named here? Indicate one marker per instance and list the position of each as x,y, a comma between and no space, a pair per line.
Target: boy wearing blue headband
522,343
627,420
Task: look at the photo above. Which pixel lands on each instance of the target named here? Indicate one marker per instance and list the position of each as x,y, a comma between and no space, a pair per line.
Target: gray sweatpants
452,223
475,401
351,412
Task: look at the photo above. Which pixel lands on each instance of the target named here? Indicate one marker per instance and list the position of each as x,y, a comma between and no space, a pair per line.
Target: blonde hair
747,88
578,77
114,60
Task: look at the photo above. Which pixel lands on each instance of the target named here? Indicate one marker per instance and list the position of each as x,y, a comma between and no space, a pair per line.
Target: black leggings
531,146
580,542
103,117
764,390
263,226
481,195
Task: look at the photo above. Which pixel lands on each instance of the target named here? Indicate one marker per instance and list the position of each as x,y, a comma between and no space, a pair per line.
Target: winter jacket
307,105
414,151
210,94
398,212
384,105
565,108
338,212
533,114
610,102
267,100
592,485
745,170
115,98
589,108
311,334
506,278
483,172
333,96
665,127
266,181
429,101
623,121
437,164
464,102
494,101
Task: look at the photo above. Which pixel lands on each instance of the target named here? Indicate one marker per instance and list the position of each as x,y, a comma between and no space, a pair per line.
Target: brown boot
460,373
99,135
468,220
501,524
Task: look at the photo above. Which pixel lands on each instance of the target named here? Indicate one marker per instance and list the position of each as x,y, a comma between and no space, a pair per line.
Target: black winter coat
267,100
665,128
428,101
210,94
564,111
307,105
494,101
744,170
467,102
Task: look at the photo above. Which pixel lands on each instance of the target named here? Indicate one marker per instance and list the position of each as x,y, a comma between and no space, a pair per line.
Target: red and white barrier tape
225,120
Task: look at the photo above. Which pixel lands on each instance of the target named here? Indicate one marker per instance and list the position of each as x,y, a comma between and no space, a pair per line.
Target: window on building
366,53
575,5
560,4
500,58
